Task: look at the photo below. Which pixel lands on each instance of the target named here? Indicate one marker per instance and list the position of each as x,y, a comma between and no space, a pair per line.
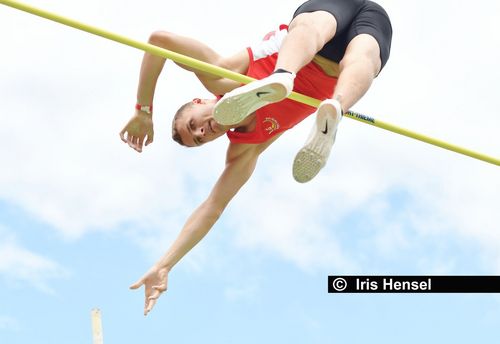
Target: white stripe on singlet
268,47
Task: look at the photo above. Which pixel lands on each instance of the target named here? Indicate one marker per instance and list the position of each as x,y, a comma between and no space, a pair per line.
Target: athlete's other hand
155,283
138,128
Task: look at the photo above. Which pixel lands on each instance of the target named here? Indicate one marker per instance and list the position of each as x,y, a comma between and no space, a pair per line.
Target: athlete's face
197,126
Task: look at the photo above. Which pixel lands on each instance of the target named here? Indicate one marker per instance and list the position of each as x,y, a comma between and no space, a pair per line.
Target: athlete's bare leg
359,66
307,34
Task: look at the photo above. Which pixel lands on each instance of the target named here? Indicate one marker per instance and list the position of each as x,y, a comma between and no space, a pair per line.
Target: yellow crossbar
206,67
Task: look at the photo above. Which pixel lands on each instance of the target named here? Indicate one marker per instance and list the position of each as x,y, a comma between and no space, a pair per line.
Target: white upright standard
96,326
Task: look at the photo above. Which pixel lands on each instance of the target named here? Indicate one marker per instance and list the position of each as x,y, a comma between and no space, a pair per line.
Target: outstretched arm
240,164
200,51
152,65
140,125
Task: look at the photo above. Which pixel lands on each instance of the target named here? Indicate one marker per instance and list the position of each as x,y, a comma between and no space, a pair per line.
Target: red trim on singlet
276,118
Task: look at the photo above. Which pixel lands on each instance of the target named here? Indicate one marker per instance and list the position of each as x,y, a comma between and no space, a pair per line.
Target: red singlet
276,118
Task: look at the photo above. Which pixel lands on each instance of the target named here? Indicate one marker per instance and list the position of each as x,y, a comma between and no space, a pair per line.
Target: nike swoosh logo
326,129
263,93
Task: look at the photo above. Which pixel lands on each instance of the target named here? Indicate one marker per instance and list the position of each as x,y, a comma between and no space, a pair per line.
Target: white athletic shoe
236,105
313,156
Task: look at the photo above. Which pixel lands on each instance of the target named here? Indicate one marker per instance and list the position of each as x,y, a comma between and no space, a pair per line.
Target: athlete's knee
363,50
159,37
320,25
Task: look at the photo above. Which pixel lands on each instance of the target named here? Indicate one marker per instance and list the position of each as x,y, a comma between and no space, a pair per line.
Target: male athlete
331,50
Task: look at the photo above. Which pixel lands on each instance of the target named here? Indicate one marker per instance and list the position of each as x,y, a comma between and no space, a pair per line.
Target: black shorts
354,17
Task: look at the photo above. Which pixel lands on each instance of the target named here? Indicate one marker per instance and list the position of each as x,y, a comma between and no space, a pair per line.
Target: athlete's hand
137,129
155,283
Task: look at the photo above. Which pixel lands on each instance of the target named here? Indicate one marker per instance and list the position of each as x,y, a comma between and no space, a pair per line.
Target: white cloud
9,323
64,107
20,265
243,292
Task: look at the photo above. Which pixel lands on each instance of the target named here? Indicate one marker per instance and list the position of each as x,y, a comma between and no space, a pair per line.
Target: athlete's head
194,124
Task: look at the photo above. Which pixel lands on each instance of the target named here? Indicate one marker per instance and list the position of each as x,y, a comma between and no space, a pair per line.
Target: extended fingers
150,138
131,140
137,284
139,143
151,300
152,297
135,142
149,305
155,293
122,135
161,288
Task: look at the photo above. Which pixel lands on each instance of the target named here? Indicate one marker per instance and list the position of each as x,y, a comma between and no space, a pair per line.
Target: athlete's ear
197,101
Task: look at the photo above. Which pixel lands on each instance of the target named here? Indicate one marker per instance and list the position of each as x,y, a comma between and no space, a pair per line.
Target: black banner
414,284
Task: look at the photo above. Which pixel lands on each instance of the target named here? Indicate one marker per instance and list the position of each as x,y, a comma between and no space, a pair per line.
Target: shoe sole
314,155
238,104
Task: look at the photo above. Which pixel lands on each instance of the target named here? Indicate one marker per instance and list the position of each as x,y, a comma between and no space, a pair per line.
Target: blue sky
259,298
82,216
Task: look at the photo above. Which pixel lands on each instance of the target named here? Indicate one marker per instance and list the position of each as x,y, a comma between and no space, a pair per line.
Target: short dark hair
175,133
